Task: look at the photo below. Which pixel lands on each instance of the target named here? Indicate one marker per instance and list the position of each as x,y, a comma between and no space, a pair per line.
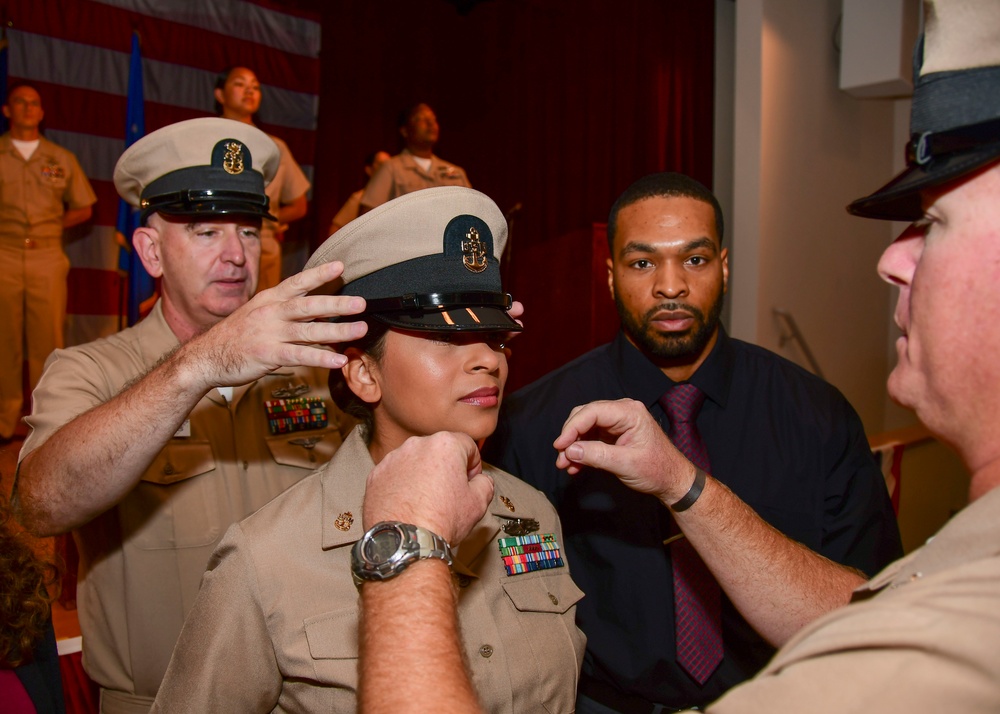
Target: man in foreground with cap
148,444
924,634
275,625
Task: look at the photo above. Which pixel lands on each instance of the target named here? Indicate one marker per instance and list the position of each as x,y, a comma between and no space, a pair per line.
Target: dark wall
554,104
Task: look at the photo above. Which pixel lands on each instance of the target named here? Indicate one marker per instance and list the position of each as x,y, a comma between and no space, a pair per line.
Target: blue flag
141,286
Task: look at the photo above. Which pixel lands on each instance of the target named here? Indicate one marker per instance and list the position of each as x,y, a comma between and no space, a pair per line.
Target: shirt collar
409,158
644,381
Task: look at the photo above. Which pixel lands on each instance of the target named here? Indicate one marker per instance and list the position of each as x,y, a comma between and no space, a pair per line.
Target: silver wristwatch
390,546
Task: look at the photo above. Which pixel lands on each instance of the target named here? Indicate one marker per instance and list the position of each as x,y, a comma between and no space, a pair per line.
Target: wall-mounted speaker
877,38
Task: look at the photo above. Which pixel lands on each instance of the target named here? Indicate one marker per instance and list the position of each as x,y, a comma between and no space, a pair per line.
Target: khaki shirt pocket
552,643
170,508
305,449
332,638
543,594
180,460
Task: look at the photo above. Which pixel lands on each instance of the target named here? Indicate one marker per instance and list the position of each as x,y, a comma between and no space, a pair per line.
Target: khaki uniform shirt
922,636
34,193
275,627
33,265
401,175
141,562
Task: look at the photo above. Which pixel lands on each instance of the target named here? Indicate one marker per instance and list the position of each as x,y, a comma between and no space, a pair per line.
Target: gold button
486,651
554,599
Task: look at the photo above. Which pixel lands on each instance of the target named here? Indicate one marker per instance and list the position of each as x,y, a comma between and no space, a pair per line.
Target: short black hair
372,344
220,83
404,116
668,184
16,86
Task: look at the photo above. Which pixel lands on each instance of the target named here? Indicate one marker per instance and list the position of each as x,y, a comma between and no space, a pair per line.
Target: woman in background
238,97
29,664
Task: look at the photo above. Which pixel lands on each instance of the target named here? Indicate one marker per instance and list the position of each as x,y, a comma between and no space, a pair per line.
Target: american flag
76,54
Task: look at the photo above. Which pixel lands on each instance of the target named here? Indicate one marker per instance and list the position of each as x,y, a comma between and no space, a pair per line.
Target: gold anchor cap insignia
344,521
474,252
232,160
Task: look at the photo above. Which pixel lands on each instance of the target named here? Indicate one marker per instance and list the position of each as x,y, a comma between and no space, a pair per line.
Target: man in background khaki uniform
43,191
416,166
352,206
923,636
148,444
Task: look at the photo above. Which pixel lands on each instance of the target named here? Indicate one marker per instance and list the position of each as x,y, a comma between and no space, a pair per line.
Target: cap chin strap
438,301
193,195
924,148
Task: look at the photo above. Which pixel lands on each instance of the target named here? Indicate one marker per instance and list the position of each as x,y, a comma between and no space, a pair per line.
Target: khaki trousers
33,275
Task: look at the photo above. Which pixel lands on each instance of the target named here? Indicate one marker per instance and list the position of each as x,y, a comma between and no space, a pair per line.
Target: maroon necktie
697,598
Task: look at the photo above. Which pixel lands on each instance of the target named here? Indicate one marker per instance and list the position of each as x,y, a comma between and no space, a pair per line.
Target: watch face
382,545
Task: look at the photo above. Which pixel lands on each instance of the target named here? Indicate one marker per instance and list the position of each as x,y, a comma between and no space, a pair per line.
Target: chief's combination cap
208,166
428,260
955,120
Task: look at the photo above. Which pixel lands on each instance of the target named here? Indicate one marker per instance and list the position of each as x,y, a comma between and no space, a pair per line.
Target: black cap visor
899,200
458,319
445,312
208,203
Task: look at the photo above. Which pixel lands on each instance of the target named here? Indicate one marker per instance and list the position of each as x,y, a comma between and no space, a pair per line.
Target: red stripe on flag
84,111
101,25
94,292
301,142
106,208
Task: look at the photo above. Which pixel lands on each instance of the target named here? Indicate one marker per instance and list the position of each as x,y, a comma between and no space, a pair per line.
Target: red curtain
554,104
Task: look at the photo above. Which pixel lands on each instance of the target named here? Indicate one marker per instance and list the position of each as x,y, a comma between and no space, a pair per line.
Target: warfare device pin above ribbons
528,553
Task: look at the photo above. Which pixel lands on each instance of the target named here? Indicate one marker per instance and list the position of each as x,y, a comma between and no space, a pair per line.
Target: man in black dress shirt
789,447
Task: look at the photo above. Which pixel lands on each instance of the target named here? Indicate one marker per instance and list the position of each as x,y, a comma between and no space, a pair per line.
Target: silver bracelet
693,493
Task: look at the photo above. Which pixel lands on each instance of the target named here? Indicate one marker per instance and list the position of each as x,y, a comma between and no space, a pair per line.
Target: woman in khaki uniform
238,97
275,626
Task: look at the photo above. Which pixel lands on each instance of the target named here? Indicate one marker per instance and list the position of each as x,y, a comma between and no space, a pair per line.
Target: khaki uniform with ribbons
275,627
34,194
142,561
